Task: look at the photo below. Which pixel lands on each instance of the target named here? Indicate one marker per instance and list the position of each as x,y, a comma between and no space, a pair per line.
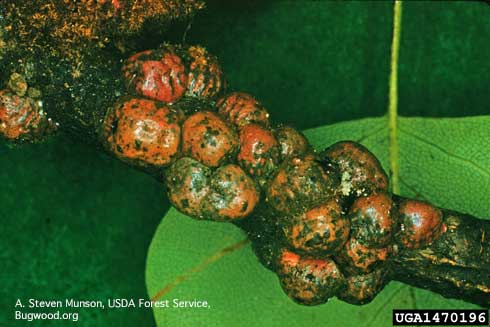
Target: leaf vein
366,136
469,162
417,193
201,266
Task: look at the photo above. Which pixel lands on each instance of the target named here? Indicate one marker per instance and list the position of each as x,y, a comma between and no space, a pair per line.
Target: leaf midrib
394,150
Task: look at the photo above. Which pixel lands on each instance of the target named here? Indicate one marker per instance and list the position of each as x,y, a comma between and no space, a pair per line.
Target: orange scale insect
156,74
309,281
321,230
363,288
21,118
361,171
293,143
205,77
358,258
242,109
143,132
420,223
259,150
208,138
233,195
188,183
299,184
372,219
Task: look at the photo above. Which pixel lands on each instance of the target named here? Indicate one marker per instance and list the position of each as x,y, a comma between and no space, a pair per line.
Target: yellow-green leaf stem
393,99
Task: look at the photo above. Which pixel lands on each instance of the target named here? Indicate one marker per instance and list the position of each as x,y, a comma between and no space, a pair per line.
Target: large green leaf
446,161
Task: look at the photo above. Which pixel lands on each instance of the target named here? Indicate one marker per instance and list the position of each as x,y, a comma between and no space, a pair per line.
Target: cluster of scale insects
325,222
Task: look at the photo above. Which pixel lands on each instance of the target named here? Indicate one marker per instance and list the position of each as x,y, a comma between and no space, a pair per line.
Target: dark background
78,223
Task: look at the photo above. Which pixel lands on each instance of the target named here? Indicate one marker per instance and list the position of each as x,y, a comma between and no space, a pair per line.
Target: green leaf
445,161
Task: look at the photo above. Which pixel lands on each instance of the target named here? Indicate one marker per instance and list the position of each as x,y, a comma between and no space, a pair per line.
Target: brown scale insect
242,109
142,131
420,224
355,257
363,288
205,77
321,230
360,170
293,143
309,281
188,183
259,151
233,195
208,138
372,220
156,74
22,118
299,184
